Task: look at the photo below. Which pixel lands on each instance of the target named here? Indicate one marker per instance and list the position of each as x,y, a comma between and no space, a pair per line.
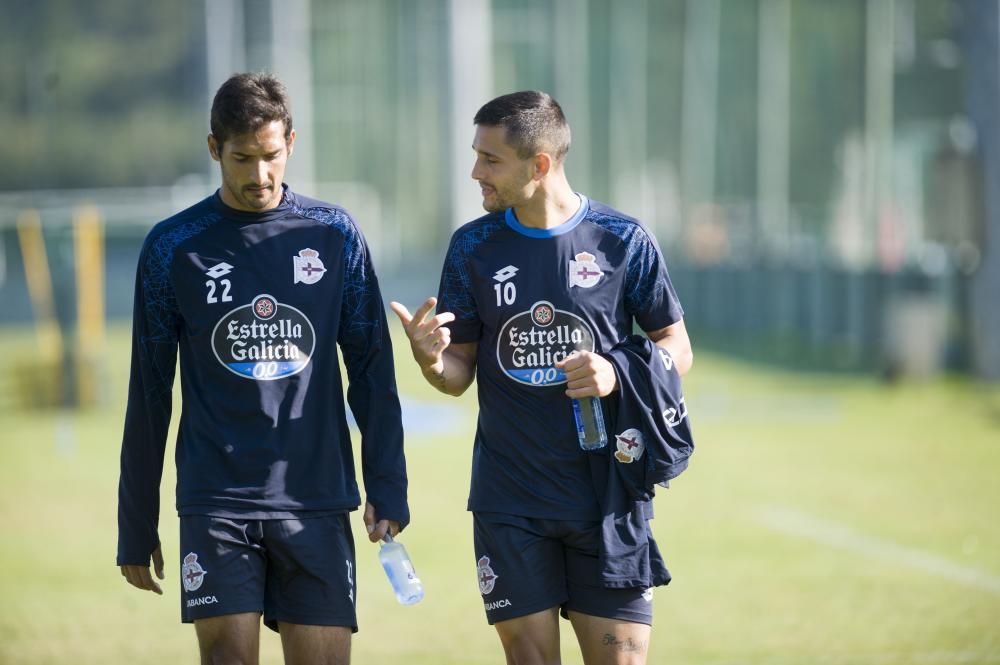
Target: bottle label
590,428
401,573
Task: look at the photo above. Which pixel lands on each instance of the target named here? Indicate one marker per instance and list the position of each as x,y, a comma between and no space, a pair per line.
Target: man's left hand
377,528
588,375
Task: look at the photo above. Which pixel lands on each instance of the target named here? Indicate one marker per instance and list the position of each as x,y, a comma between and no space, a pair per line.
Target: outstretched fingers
422,311
428,335
418,326
434,323
402,312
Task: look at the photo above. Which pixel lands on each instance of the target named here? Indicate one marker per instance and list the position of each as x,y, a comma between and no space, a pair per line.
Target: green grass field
824,520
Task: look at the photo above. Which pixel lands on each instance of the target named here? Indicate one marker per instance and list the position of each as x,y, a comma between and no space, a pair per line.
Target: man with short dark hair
254,285
530,295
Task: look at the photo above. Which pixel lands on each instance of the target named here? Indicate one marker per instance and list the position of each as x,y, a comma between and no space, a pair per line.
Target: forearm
450,368
147,421
142,453
374,402
681,353
454,374
674,339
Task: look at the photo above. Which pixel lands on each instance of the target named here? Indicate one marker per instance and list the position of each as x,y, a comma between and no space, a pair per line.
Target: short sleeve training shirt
529,297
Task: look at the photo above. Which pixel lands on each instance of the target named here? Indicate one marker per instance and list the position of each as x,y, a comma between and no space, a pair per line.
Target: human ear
542,165
213,148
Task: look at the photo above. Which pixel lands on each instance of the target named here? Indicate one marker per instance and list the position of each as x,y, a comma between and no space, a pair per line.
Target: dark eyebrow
237,153
484,152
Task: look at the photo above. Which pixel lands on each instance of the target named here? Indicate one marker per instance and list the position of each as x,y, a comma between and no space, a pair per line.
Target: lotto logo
219,270
504,274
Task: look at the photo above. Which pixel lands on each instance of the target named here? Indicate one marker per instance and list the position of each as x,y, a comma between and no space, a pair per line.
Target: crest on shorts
487,578
192,574
308,268
630,446
584,271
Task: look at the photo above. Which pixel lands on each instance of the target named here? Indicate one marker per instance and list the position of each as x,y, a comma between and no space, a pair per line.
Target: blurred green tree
101,93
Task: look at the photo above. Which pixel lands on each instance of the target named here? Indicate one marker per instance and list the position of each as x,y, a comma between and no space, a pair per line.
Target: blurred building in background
820,175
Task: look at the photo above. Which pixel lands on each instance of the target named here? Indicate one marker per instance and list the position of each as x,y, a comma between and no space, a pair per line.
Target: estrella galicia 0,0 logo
531,343
264,340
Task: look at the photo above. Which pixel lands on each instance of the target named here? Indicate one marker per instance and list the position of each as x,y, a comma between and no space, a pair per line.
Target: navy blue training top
529,297
257,304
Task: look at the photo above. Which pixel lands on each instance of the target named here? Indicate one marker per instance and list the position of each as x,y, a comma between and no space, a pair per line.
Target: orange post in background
88,243
48,381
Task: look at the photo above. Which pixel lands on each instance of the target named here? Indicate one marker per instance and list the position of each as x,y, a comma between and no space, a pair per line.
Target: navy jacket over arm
652,444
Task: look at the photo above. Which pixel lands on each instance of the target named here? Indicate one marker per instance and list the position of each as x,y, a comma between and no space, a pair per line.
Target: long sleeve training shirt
256,305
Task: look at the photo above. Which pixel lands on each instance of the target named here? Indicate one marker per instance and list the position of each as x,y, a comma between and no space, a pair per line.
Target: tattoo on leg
626,645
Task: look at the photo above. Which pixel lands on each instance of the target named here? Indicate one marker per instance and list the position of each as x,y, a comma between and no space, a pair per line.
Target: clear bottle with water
399,569
590,423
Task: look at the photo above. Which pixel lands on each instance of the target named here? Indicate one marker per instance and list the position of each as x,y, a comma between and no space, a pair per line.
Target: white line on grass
799,524
870,658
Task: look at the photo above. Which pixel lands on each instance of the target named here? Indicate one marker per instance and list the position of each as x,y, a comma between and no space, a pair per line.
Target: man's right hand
140,577
428,336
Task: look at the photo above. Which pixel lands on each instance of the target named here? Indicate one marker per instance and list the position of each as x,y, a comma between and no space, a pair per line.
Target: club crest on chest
309,269
584,271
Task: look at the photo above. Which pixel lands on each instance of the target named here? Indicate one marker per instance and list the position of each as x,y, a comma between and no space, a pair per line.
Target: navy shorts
526,565
296,570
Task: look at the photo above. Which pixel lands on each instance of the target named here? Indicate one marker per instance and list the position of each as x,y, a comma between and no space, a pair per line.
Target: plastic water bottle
590,423
399,570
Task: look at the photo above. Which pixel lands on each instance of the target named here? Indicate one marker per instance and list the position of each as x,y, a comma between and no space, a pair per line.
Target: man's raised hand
428,335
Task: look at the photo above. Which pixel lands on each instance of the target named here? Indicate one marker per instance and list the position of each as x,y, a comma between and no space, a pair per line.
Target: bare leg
531,639
315,645
230,639
610,641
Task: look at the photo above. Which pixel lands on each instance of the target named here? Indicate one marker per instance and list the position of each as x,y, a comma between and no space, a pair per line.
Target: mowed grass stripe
796,523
